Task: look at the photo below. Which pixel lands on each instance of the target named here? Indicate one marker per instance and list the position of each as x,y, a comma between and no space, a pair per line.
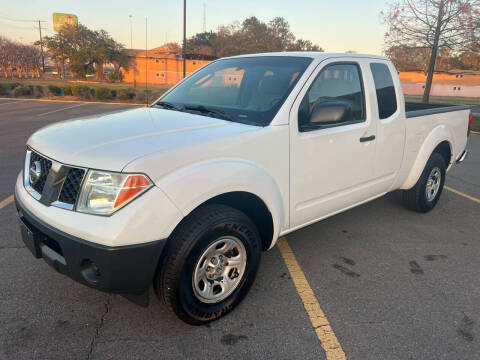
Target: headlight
104,192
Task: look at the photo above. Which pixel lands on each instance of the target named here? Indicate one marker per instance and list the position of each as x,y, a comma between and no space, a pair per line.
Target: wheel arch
439,140
236,183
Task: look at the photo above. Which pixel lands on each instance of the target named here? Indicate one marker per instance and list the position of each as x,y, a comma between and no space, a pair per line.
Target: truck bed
413,109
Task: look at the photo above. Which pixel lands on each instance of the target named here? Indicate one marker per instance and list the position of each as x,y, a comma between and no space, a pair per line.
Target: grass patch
445,100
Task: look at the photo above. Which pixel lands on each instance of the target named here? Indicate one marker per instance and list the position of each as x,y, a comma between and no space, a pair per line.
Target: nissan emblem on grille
35,172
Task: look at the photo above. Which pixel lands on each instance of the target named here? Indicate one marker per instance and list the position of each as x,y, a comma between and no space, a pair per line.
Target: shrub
13,85
103,93
126,94
155,95
115,76
4,90
141,97
22,91
82,91
39,91
55,90
67,90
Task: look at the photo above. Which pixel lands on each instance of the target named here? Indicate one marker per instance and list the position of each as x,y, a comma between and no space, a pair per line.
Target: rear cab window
386,96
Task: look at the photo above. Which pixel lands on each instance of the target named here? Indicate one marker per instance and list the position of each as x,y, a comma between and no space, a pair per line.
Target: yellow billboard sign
60,19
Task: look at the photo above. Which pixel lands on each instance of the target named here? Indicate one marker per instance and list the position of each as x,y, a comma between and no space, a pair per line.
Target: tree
173,47
430,24
250,36
86,51
24,59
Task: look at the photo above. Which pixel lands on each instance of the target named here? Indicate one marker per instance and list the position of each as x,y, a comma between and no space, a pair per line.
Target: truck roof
312,54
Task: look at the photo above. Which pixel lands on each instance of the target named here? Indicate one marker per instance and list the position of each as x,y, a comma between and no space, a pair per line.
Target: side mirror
330,112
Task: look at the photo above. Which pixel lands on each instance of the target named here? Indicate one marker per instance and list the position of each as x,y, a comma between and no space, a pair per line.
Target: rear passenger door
331,162
390,118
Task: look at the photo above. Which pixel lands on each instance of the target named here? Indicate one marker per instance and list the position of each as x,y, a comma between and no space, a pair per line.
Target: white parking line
65,108
12,102
74,101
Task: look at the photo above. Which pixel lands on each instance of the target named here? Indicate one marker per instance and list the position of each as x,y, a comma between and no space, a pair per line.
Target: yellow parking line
475,132
330,343
6,201
470,197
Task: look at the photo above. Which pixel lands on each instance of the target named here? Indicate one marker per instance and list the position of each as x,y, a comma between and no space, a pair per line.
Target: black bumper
126,270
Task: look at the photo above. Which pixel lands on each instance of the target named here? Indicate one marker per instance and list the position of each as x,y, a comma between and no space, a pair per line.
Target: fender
193,185
436,136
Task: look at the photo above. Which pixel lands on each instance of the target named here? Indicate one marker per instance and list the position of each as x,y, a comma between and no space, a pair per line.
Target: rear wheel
425,194
210,263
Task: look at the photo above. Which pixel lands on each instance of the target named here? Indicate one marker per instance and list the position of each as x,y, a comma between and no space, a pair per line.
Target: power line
18,27
19,20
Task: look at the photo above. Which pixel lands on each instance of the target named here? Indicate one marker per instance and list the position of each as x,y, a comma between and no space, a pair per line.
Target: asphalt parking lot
392,283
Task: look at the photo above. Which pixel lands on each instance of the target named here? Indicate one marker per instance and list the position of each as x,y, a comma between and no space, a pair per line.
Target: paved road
393,284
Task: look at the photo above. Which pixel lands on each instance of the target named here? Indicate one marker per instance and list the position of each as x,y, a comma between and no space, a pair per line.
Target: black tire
173,282
416,198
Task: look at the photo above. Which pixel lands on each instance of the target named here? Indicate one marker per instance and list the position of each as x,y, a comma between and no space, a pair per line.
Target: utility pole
41,45
63,56
184,38
131,48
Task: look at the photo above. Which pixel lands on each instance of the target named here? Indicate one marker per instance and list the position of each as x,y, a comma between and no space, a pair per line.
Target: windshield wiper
169,105
203,109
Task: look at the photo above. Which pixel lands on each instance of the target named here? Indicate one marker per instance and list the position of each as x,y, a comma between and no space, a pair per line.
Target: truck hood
110,142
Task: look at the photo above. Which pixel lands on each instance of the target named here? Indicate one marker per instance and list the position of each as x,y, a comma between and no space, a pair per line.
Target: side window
386,97
336,97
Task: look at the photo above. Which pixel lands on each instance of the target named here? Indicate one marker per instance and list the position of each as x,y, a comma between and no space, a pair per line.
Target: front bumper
127,270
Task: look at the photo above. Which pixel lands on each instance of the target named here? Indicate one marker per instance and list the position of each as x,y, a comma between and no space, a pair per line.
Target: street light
131,39
131,48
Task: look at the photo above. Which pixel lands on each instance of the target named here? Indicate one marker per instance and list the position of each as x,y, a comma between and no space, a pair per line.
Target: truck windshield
246,89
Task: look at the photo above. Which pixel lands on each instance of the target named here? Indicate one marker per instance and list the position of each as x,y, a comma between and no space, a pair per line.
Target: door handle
367,138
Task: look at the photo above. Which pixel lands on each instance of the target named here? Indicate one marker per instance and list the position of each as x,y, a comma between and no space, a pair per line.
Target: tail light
469,123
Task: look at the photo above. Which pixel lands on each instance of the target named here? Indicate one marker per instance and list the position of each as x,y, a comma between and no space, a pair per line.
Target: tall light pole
146,60
131,38
184,38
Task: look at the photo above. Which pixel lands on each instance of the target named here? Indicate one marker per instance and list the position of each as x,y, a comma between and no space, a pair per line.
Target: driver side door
331,162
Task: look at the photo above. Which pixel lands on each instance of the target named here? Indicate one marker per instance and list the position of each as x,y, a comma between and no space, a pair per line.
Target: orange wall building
456,77
454,83
160,67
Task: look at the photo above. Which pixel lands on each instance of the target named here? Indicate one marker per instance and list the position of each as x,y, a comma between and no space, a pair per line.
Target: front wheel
210,263
425,194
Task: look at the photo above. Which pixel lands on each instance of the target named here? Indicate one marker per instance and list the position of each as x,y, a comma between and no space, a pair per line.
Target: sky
337,26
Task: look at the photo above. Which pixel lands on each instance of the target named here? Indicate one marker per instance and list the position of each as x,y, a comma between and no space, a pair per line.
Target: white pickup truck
185,194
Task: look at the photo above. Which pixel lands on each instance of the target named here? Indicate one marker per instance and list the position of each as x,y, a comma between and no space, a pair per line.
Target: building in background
454,83
161,67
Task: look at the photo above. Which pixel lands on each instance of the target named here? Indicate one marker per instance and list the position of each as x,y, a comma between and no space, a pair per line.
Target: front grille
45,164
65,184
71,186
